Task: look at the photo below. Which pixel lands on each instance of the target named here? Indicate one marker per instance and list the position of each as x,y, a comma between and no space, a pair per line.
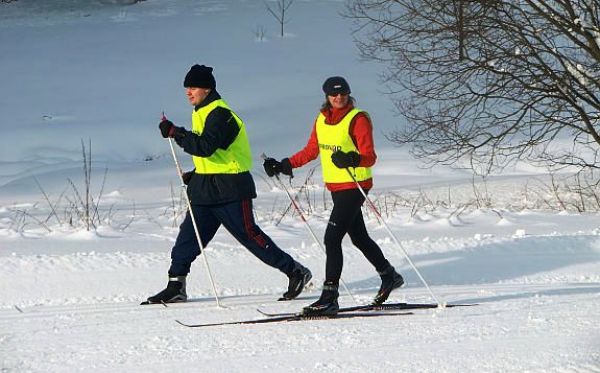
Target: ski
146,303
296,317
372,307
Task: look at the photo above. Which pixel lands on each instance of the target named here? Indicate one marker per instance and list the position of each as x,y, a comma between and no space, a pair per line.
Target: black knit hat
200,76
336,84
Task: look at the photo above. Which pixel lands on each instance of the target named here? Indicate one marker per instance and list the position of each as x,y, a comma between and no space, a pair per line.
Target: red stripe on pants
249,225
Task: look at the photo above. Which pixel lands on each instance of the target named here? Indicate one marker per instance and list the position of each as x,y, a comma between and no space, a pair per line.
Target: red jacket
361,132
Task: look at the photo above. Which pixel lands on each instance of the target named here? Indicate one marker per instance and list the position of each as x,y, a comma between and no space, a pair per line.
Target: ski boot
174,292
390,280
299,277
327,305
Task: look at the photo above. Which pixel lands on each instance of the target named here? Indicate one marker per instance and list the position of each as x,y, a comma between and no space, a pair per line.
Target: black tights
346,217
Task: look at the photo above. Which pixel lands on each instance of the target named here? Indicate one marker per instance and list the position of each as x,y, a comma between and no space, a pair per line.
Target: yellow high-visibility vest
336,137
235,159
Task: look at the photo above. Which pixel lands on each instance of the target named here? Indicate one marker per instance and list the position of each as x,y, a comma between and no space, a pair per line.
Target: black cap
200,76
336,84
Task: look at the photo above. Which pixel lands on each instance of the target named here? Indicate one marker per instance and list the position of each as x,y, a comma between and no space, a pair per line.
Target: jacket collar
212,96
334,116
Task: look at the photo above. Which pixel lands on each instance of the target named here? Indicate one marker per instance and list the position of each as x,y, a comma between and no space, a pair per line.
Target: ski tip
458,305
262,312
270,314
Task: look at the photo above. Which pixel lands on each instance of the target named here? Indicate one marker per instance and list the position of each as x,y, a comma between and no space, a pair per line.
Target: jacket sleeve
220,130
308,153
361,131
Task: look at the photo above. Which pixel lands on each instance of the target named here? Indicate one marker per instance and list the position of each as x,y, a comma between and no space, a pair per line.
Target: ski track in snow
548,311
497,335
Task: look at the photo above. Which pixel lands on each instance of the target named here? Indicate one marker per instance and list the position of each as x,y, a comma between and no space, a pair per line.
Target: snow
70,297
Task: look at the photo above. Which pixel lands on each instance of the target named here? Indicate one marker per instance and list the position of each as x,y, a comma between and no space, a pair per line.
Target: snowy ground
69,298
71,303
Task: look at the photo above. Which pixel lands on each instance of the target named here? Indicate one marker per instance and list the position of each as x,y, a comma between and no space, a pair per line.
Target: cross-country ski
372,307
297,317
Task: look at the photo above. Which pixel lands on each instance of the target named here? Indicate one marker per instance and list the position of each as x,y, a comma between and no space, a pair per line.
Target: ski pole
387,228
189,204
312,233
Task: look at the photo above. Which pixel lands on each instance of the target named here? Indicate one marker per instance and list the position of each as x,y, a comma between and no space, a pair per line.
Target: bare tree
280,13
488,82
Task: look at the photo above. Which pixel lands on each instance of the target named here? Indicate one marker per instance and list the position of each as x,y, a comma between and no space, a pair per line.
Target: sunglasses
337,94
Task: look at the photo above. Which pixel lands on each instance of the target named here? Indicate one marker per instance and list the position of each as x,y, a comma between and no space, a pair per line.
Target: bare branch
482,84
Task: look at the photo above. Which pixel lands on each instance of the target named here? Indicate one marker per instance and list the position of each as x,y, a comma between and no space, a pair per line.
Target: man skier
220,188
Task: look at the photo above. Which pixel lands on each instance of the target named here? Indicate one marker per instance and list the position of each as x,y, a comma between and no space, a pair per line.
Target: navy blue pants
237,217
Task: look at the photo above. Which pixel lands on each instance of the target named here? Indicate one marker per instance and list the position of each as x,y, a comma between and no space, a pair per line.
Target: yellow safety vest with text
235,159
336,137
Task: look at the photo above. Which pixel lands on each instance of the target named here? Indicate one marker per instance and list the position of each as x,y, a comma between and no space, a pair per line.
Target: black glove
343,160
167,128
273,167
286,167
187,176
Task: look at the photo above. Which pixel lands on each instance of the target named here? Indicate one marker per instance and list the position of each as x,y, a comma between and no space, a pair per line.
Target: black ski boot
327,305
390,280
175,292
299,277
